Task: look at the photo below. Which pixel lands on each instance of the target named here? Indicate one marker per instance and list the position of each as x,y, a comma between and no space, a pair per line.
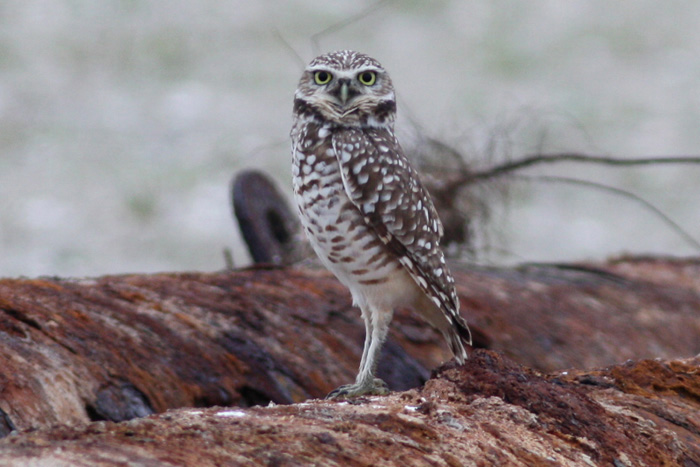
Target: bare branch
620,192
535,159
316,38
280,38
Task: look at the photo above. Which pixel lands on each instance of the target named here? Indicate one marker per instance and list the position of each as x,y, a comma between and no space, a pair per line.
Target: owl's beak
344,92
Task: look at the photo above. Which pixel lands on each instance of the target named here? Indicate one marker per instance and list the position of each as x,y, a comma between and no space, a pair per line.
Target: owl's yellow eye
322,77
368,78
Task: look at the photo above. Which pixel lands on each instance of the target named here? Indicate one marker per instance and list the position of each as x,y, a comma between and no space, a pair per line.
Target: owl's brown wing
385,188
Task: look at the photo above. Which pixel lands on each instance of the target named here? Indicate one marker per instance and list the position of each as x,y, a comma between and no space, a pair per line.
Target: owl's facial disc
347,88
344,86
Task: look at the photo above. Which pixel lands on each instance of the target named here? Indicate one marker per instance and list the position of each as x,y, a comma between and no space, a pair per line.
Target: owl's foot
375,387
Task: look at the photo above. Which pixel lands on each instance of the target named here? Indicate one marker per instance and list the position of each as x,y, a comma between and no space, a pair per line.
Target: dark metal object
269,227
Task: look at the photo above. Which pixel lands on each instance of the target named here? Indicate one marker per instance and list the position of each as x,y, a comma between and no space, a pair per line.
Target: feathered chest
315,168
320,195
337,229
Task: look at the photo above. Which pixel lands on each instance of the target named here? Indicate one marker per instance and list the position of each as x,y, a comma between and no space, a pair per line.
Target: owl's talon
381,386
348,391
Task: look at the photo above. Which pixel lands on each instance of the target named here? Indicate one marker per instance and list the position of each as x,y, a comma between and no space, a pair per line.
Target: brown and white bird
364,209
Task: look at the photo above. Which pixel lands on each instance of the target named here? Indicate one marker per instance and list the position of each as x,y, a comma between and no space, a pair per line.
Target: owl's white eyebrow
348,72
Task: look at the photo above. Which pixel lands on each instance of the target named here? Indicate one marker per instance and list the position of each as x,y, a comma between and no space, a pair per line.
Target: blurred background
123,121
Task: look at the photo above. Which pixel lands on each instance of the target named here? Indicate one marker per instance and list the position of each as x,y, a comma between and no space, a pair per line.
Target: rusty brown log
123,347
551,317
117,347
491,411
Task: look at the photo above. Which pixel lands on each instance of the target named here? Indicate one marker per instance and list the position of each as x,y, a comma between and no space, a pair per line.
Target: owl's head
347,88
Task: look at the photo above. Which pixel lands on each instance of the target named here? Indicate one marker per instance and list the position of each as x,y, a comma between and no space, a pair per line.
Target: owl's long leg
369,330
366,383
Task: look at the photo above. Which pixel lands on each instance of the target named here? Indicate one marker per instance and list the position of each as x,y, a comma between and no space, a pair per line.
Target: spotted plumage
363,207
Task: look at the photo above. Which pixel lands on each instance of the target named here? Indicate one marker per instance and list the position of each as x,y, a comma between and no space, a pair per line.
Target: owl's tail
458,335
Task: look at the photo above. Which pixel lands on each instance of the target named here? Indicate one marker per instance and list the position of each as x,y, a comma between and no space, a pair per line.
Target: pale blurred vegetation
122,122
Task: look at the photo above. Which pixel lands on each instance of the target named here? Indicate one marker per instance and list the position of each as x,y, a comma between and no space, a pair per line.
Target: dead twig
535,159
619,192
316,38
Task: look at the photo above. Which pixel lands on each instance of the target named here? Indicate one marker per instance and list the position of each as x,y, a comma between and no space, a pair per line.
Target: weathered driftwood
119,347
490,411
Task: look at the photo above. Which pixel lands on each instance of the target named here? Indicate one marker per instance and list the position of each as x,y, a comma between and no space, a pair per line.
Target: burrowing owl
363,207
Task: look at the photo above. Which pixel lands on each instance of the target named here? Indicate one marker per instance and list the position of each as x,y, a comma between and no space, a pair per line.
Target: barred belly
348,247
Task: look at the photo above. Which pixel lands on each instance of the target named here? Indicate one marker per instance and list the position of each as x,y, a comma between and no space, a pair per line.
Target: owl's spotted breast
336,229
382,183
